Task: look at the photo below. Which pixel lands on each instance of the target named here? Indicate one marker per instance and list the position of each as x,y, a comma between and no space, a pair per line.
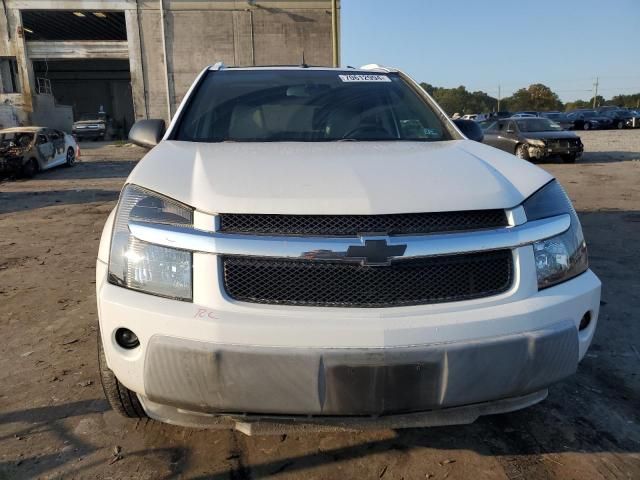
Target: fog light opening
585,322
126,338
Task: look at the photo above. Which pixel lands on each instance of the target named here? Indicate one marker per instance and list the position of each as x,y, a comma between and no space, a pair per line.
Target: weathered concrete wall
237,33
153,61
197,33
47,113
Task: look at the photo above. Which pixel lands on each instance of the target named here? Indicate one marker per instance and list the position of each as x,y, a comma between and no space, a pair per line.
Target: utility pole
498,97
334,32
595,92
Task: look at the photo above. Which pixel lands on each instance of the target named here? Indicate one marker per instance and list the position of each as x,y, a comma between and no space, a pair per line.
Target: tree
460,100
536,97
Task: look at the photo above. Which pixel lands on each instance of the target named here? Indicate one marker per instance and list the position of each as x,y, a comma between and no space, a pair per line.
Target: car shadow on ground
594,157
508,435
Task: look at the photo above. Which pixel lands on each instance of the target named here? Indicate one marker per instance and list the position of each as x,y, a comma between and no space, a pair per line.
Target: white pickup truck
323,247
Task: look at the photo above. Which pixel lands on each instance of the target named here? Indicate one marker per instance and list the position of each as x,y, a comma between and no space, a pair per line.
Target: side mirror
470,129
147,133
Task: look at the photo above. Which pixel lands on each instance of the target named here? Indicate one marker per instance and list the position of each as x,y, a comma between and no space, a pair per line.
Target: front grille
563,143
353,225
416,281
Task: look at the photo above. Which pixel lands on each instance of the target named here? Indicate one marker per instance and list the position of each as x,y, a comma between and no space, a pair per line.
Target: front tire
586,126
71,157
620,125
522,152
120,398
570,158
30,168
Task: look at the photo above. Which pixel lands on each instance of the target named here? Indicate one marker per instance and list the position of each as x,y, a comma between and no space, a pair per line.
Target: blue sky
564,44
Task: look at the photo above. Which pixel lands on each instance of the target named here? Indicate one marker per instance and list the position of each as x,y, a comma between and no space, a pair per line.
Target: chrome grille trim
187,238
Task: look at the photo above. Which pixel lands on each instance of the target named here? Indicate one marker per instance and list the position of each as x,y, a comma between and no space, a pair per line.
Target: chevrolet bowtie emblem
375,252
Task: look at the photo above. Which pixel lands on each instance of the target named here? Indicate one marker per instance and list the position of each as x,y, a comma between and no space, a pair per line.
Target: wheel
620,125
522,152
71,157
121,399
570,158
586,126
30,168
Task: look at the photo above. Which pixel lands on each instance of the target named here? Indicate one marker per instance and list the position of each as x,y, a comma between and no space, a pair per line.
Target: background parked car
560,118
525,114
92,126
619,116
589,120
27,150
634,121
537,138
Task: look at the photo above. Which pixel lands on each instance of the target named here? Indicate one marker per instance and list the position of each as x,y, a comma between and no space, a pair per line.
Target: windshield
307,106
96,117
538,125
22,139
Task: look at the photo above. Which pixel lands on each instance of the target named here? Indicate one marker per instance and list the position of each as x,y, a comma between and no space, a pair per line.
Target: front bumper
89,133
220,357
544,152
205,377
9,165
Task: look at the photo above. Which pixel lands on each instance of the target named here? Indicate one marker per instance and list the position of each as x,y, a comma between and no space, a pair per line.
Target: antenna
303,64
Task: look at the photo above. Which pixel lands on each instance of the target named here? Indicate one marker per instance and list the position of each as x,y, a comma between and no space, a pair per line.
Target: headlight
101,126
536,142
143,266
564,256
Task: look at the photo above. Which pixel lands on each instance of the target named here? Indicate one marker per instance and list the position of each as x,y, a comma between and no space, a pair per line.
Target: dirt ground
54,422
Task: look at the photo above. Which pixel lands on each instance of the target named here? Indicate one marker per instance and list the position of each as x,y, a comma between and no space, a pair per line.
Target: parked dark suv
533,137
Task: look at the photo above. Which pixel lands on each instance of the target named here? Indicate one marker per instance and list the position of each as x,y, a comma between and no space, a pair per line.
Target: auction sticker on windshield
364,78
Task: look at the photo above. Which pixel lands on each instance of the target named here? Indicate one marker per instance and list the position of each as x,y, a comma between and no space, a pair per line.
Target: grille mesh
353,225
405,282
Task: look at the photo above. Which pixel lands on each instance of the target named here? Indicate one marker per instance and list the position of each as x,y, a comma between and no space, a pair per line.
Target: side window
512,127
42,139
491,127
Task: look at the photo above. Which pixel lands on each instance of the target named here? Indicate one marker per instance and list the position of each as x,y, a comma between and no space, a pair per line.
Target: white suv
323,246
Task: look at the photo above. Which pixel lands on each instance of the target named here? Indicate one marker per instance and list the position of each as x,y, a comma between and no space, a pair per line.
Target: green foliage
460,100
630,101
536,97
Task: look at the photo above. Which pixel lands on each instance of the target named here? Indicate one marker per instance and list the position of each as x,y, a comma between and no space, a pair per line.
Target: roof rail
375,66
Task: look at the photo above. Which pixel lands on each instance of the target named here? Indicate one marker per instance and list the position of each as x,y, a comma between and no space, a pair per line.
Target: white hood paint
338,177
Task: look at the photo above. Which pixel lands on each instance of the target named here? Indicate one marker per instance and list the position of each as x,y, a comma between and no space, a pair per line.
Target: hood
338,177
562,135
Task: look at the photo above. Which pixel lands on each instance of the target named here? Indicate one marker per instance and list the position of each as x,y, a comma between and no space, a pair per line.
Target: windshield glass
307,106
22,139
91,116
538,125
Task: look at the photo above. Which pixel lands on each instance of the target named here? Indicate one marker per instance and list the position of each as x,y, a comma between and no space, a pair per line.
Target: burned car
26,150
533,138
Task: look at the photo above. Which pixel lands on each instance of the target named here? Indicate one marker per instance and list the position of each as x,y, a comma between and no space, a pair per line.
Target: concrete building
136,58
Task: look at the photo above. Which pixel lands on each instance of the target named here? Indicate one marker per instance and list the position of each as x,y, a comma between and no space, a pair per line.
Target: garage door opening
73,25
92,87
